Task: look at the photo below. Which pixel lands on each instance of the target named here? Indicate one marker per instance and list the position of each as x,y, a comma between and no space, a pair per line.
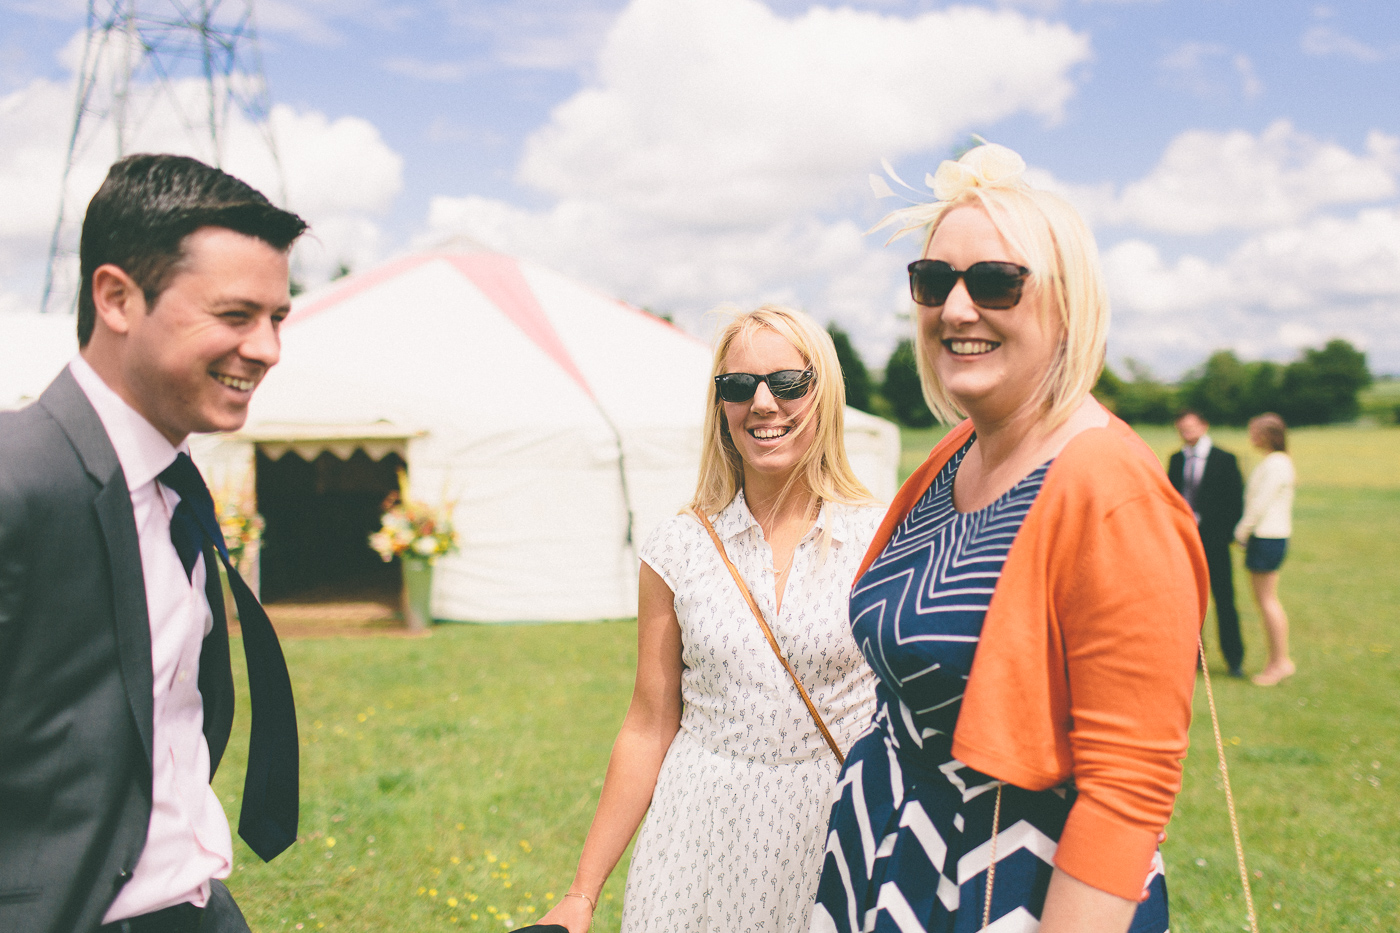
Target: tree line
1319,387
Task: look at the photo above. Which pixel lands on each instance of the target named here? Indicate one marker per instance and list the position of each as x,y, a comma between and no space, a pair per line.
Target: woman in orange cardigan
1030,605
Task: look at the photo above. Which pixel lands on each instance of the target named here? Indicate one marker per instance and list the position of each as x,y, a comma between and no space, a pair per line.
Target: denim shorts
1264,555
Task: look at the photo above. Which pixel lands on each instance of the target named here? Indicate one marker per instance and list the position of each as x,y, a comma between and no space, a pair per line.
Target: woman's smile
966,347
769,432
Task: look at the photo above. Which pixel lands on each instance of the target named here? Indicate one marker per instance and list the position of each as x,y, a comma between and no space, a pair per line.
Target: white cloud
1250,85
704,160
1209,181
1209,69
318,22
1324,41
339,174
720,112
550,35
558,35
1277,291
1316,251
432,72
830,268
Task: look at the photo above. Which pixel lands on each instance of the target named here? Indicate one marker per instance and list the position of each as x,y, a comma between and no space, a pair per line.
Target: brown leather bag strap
768,634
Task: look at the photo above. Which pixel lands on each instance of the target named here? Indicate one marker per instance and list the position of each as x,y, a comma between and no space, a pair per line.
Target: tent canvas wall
563,423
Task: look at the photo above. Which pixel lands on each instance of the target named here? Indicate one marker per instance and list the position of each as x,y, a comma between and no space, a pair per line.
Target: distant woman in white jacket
1264,532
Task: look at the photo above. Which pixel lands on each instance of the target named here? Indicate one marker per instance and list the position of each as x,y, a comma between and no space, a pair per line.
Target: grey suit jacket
76,706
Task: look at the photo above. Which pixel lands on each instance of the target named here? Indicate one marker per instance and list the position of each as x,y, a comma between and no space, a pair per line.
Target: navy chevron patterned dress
910,835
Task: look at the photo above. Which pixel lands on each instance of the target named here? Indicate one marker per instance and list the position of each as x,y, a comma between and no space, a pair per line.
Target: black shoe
1237,673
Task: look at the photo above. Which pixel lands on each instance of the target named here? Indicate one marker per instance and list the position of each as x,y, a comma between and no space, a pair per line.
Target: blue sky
1239,161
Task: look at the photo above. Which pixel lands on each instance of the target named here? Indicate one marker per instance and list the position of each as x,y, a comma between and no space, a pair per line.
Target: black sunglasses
786,384
995,285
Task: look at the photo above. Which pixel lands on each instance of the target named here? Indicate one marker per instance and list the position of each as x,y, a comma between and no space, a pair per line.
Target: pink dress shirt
188,841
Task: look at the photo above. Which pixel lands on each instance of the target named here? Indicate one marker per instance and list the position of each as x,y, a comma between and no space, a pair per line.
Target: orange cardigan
1087,658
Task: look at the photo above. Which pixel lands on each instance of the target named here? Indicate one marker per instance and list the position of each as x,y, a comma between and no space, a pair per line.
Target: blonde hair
1272,429
824,470
1054,242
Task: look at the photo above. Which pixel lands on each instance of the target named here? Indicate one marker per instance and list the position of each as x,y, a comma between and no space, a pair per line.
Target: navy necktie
1191,481
268,822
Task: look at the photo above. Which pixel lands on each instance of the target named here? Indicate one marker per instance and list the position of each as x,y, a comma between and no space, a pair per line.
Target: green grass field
448,781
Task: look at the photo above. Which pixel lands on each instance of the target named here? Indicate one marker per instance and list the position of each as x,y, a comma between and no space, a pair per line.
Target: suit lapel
65,401
1212,465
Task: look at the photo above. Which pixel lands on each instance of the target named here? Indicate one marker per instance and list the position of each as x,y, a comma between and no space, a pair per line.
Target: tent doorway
319,516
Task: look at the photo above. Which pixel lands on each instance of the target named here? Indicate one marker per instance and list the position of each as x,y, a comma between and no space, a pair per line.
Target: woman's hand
575,913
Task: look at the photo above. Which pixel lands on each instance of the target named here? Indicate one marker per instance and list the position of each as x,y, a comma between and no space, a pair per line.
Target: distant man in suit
1209,479
116,691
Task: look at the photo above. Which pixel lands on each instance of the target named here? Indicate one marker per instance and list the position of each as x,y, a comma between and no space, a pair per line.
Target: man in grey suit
116,692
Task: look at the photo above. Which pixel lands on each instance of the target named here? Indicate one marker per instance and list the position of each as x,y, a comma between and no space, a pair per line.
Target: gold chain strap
1229,797
992,862
1229,805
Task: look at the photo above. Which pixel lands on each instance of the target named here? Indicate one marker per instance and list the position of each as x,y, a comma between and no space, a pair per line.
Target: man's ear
116,297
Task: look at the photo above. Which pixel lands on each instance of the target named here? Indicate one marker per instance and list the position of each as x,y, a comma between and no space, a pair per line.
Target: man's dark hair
1184,412
139,218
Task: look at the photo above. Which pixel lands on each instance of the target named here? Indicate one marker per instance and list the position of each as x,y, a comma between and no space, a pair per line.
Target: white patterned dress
734,838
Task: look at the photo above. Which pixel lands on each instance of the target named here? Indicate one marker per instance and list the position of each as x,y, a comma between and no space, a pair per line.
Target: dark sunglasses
786,384
995,285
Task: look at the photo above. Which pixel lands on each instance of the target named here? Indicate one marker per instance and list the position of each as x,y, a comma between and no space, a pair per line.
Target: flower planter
417,593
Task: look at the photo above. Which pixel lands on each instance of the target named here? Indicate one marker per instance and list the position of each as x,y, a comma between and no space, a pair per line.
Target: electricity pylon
178,68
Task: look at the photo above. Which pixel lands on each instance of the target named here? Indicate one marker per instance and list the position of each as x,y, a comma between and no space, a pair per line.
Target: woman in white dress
1263,532
717,742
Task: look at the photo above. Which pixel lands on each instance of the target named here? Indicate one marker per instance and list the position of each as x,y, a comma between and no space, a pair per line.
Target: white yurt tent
563,423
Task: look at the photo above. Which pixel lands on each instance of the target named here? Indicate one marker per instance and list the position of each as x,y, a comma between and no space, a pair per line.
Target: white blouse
738,699
735,835
1268,500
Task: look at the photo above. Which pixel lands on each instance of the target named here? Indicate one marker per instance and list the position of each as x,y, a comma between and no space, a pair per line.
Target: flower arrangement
413,529
240,523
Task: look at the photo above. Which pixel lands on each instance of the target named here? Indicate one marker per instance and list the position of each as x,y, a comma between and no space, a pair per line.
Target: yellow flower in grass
452,902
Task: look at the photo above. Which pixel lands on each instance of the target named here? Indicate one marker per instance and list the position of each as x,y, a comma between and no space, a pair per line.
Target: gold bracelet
591,905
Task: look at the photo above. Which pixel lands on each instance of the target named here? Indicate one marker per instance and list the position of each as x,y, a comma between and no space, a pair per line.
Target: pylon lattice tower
182,67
